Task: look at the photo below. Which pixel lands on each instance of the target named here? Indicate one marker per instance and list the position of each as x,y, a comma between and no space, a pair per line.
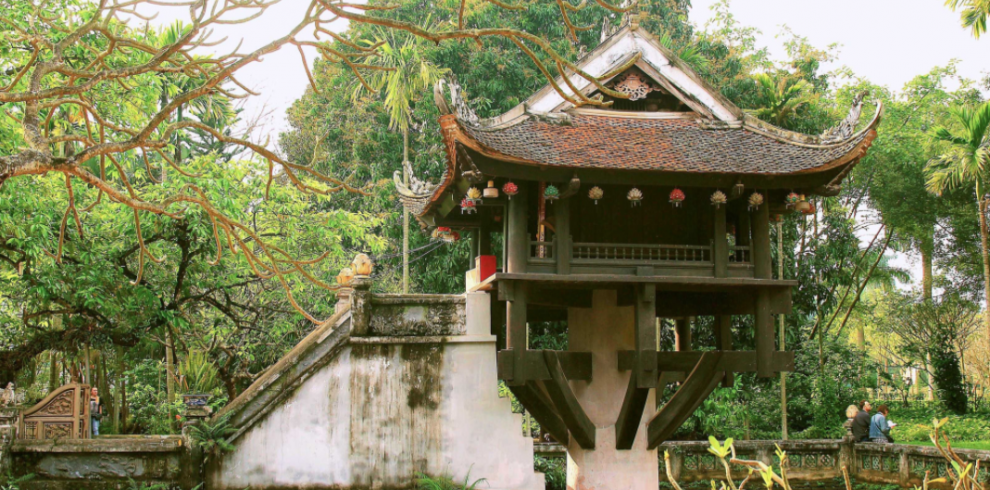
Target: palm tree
974,14
410,76
781,97
966,162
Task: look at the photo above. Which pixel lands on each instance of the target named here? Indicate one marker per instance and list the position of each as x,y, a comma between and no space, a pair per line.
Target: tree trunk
982,206
405,215
926,270
169,365
53,372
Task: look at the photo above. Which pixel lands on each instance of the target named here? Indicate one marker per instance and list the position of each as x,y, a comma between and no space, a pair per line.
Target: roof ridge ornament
417,188
555,118
847,127
463,111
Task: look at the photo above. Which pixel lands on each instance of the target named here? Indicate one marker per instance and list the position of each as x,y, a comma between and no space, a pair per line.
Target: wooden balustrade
608,252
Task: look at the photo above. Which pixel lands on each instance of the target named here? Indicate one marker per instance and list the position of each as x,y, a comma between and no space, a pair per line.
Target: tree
932,329
81,88
409,77
966,162
974,14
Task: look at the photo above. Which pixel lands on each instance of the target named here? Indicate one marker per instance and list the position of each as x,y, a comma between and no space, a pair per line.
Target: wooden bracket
705,377
541,408
631,415
577,422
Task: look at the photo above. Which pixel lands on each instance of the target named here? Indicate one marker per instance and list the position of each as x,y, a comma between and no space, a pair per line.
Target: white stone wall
386,408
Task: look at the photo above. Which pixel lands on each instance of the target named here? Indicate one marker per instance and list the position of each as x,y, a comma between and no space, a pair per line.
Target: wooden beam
576,365
736,361
568,407
646,336
682,334
699,384
485,232
541,408
720,250
516,338
764,335
562,216
631,414
517,241
761,243
723,342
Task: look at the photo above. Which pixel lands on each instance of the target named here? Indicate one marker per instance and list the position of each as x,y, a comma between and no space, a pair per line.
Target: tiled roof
670,145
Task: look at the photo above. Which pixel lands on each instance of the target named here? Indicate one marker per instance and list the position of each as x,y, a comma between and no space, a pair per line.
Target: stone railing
811,461
105,463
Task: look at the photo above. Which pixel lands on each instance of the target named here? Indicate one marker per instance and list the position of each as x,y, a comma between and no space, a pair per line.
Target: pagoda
658,206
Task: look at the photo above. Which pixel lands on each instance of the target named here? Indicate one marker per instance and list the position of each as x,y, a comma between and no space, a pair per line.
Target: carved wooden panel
63,414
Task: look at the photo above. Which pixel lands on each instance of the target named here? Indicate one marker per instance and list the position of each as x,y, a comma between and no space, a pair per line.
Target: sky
886,41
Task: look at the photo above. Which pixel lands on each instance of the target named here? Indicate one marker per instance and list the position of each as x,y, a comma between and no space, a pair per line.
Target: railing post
562,238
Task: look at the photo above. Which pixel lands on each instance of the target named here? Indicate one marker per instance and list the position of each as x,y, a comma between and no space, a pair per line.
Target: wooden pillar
485,233
682,334
562,212
723,342
517,241
515,330
764,334
475,239
498,322
761,243
720,250
646,336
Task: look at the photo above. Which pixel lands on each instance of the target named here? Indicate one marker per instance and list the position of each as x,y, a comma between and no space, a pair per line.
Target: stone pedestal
604,330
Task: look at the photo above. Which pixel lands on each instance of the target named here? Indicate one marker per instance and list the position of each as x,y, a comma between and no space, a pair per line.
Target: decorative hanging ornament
551,193
803,206
510,189
474,195
677,197
792,199
596,193
635,196
453,237
468,206
443,233
755,200
491,192
719,198
808,210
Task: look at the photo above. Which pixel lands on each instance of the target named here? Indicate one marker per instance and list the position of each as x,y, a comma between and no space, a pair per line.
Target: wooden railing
611,252
542,252
739,254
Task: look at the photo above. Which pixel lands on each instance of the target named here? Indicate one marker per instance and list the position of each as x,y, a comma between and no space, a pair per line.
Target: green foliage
211,436
445,482
554,470
10,482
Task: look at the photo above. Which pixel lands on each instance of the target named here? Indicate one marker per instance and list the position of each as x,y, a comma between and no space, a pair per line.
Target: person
879,428
861,422
95,412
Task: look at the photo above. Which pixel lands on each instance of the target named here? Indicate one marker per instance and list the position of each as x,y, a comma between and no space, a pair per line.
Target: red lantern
468,206
510,189
677,197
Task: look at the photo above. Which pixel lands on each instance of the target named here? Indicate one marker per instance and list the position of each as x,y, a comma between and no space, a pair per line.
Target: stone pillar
360,306
604,330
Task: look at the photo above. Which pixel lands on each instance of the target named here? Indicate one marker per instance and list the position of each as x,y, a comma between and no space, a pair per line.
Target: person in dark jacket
861,423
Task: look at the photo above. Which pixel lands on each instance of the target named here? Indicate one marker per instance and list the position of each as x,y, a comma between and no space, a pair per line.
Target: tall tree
966,162
407,79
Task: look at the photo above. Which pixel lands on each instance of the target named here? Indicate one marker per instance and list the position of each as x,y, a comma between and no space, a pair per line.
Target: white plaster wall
380,412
